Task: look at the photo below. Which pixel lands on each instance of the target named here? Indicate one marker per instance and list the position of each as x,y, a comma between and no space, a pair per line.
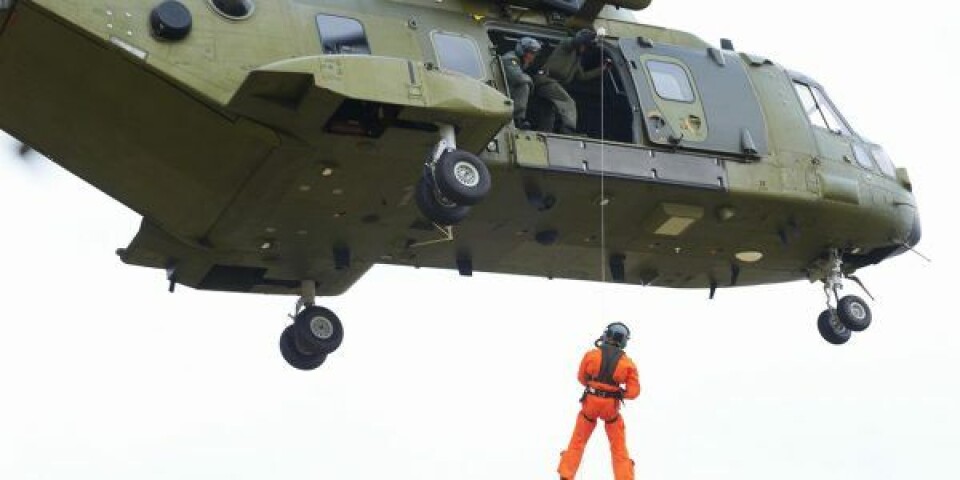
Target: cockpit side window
819,109
863,158
886,164
342,35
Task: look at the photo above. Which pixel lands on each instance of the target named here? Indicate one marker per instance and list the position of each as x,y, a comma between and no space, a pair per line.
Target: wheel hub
857,311
321,327
466,174
835,323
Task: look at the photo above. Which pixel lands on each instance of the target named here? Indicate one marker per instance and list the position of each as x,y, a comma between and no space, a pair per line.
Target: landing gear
297,354
436,207
316,332
318,328
461,177
453,180
854,313
851,313
831,329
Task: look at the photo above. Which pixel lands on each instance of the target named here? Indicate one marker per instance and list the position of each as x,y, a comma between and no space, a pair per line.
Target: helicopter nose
916,231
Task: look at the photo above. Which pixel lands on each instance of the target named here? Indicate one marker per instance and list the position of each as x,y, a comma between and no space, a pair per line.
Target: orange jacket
625,374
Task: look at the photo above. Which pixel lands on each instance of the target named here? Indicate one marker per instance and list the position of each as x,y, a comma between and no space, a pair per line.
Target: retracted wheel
436,208
854,313
831,329
293,353
462,177
318,329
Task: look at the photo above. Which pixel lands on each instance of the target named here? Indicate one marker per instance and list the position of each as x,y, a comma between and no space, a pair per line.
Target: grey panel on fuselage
636,163
724,89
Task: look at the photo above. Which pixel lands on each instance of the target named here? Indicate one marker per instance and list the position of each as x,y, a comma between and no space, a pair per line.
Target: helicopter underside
230,203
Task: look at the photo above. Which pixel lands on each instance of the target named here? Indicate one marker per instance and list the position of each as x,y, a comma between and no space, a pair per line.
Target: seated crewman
515,64
563,68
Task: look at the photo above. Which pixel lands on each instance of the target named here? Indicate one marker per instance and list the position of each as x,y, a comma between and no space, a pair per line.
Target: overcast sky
104,375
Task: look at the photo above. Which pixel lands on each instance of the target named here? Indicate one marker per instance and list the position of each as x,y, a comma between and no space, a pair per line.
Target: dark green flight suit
563,68
520,84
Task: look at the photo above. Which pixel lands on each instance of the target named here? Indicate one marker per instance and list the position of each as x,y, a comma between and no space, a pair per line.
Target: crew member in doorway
609,377
563,68
515,65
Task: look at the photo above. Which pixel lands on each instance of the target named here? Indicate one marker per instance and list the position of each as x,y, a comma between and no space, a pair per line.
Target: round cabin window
233,9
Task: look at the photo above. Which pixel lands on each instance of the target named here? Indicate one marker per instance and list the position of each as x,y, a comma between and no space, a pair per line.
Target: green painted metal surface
253,156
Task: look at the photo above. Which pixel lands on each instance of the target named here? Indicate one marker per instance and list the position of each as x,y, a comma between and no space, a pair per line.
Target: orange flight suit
595,407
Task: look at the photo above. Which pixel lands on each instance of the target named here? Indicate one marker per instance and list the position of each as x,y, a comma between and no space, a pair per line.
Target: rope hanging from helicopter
601,35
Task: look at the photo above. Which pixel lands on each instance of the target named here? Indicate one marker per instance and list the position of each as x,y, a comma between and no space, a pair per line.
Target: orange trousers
595,409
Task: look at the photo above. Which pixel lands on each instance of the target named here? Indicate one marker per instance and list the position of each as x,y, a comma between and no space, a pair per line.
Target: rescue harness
609,358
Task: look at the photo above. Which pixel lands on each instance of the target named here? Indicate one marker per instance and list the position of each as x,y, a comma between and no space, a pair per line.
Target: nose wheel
854,313
844,315
316,332
831,329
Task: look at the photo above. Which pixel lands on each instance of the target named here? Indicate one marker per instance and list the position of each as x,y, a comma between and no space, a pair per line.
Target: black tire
854,313
462,177
831,329
434,210
296,357
318,329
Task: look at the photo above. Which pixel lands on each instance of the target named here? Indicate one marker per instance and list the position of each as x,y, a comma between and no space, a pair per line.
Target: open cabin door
696,99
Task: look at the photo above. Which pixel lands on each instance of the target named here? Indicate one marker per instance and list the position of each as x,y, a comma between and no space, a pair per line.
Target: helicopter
285,147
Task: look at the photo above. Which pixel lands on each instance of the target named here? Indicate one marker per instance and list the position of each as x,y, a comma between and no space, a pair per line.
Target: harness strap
610,357
603,394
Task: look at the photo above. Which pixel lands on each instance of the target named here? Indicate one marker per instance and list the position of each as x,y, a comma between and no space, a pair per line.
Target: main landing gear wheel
461,177
854,313
318,329
435,207
297,354
831,329
453,181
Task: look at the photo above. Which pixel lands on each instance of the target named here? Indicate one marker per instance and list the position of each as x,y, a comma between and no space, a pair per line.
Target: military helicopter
286,146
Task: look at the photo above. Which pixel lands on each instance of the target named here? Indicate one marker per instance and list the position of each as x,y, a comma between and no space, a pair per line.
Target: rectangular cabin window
671,81
458,53
342,35
819,110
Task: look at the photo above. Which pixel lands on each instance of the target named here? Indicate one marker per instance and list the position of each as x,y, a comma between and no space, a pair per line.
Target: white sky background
104,375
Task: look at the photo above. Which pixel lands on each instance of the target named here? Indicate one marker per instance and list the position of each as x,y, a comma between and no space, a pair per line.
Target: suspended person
562,69
609,377
516,65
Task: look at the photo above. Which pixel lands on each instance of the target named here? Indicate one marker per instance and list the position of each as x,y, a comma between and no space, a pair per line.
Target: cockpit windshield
820,110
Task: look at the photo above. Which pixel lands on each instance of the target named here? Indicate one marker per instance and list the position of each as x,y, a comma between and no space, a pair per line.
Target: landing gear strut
849,313
453,180
316,332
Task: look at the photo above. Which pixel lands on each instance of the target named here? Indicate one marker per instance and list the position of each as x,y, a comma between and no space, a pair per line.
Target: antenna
908,247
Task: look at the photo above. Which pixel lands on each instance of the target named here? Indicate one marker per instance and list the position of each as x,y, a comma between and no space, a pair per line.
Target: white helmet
528,44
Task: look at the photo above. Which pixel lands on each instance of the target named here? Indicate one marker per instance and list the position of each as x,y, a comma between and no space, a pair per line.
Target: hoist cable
603,175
